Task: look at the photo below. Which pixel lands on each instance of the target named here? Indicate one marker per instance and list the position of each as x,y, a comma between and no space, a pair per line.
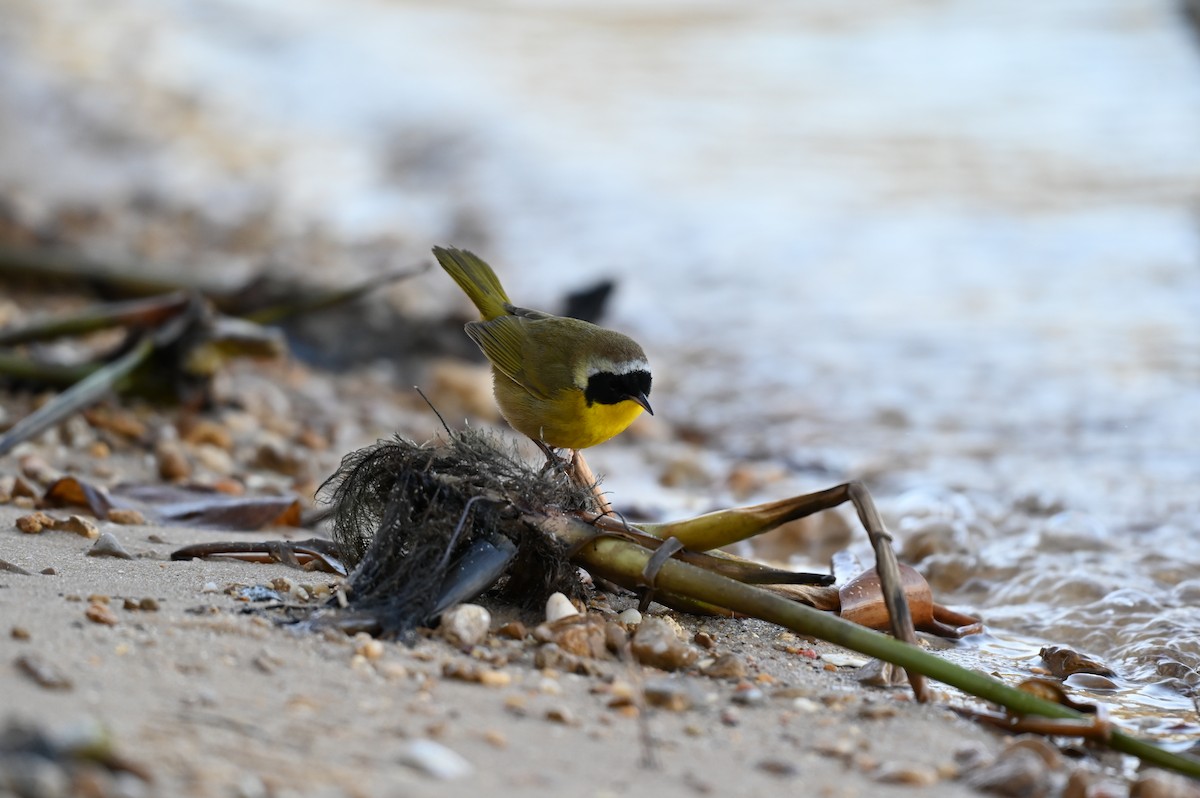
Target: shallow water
951,248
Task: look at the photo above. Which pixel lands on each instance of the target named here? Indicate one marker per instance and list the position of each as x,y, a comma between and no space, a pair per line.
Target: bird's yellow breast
565,420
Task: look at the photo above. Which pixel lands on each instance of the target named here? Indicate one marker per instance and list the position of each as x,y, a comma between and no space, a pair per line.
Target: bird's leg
582,475
553,460
578,471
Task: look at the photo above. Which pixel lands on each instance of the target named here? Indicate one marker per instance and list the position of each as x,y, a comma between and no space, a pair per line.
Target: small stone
44,672
37,469
80,526
214,459
561,714
435,760
725,666
101,613
173,465
107,545
615,637
748,695
19,633
907,773
368,647
577,635
49,571
204,430
34,523
1160,784
874,711
558,607
465,625
669,694
492,677
630,617
1017,772
778,767
127,516
656,644
705,640
148,604
513,630
210,587
622,694
495,738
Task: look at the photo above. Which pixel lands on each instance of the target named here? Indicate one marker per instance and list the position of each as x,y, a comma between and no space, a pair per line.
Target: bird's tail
476,278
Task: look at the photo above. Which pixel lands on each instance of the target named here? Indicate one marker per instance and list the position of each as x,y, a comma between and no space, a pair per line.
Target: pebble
1160,784
577,635
558,606
465,625
34,523
656,644
748,696
44,672
80,526
127,516
214,459
778,767
495,738
669,694
1017,772
368,647
107,545
435,760
705,639
725,666
513,630
172,461
205,430
561,714
19,633
101,613
907,773
210,587
630,617
477,674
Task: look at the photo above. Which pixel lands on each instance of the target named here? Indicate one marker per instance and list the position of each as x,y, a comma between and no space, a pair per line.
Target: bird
562,382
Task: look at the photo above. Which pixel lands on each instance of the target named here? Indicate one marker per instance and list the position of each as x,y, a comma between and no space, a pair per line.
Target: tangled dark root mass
404,512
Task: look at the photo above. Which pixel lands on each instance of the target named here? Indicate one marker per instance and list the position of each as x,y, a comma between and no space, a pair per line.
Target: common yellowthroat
565,383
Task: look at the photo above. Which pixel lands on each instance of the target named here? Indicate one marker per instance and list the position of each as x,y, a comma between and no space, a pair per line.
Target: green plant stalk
623,562
21,368
144,312
78,396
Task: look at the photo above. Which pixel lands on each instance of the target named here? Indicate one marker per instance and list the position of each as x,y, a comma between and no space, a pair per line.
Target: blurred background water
950,246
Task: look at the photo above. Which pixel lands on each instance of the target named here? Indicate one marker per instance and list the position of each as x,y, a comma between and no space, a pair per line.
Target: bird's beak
643,401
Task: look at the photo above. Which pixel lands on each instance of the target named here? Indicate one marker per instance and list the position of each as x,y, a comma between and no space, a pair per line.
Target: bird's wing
506,341
526,313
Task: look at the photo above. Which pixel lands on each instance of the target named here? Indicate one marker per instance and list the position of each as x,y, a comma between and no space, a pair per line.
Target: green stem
78,396
622,561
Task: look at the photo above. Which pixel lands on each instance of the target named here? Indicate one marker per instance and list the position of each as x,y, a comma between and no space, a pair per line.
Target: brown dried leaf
75,492
195,506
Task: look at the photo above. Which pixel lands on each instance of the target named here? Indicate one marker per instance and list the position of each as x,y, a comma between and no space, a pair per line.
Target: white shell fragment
436,760
558,607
